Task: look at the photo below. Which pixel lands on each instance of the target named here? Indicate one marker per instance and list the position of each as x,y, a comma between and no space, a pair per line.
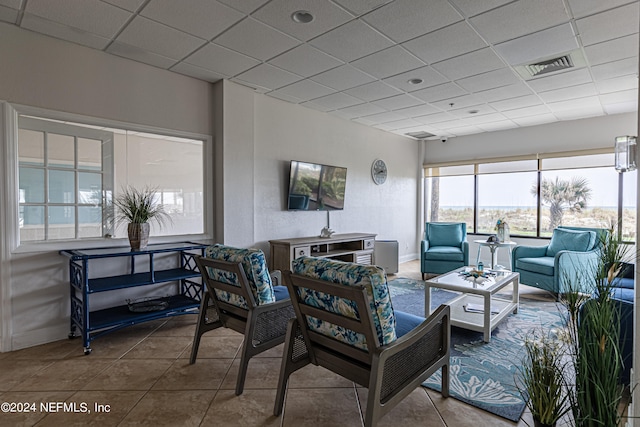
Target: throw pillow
570,240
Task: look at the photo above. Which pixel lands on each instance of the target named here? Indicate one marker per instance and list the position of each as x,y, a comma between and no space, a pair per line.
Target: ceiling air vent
571,60
420,135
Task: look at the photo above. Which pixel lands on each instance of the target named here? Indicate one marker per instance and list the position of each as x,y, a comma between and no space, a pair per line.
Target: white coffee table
480,293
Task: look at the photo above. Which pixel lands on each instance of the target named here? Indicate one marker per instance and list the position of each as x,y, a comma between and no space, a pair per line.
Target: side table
493,247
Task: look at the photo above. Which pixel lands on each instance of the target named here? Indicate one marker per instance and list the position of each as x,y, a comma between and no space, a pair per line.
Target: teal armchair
573,252
444,247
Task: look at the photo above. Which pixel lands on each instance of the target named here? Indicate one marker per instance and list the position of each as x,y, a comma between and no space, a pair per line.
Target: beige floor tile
159,348
205,374
71,374
175,328
251,408
54,350
103,409
416,409
29,416
459,414
312,376
170,408
222,346
321,407
112,346
129,374
14,372
262,373
272,352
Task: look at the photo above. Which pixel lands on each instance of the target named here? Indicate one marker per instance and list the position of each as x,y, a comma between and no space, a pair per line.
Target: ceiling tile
130,5
315,106
305,61
575,104
158,38
361,110
515,103
519,18
221,60
388,62
612,50
617,84
428,75
417,17
445,43
278,14
360,7
64,32
538,46
343,77
618,97
474,7
351,41
364,121
201,18
397,102
481,111
469,64
558,81
418,110
403,124
579,91
337,100
624,67
490,80
268,76
440,92
140,55
305,90
478,119
504,92
387,116
535,110
283,97
579,113
497,126
609,25
458,102
623,107
536,120
373,91
581,8
257,40
197,72
92,16
434,119
246,6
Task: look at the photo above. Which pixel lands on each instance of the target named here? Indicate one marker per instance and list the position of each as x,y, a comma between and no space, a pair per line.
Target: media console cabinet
154,268
351,247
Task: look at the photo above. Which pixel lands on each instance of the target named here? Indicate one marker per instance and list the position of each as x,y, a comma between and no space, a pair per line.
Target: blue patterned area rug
482,374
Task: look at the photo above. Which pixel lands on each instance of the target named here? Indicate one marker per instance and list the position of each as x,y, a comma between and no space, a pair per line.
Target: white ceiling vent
574,59
420,135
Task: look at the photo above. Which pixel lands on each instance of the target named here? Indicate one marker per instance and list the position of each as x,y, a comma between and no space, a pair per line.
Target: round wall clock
379,171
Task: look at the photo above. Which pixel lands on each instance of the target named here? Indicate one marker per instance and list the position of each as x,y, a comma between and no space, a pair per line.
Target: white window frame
12,111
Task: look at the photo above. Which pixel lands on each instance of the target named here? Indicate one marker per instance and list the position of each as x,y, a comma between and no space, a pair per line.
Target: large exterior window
534,196
69,172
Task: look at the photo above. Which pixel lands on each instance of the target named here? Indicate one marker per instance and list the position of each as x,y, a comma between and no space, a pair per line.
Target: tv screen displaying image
316,187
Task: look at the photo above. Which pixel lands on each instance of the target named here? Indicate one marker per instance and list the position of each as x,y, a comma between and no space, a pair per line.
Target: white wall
44,72
259,143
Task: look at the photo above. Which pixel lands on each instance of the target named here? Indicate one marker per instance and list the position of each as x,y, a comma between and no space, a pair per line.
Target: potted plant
542,379
137,207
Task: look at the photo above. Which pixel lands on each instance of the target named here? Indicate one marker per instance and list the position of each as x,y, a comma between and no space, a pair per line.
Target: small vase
138,235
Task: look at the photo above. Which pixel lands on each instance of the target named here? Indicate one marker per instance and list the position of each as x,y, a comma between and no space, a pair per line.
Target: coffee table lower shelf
500,308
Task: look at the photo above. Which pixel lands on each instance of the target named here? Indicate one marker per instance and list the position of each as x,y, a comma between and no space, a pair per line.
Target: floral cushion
371,277
255,268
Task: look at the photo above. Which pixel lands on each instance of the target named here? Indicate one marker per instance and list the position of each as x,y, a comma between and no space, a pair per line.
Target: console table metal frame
94,324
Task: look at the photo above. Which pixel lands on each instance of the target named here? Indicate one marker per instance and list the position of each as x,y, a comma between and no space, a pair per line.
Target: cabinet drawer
368,244
299,251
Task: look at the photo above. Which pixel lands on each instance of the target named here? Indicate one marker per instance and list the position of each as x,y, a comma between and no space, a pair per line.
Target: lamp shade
625,153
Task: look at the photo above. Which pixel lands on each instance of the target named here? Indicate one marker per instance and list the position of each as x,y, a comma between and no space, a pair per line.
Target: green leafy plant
542,378
139,206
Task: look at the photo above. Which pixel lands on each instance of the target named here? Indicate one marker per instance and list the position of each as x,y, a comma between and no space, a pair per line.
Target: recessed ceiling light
473,111
302,17
414,81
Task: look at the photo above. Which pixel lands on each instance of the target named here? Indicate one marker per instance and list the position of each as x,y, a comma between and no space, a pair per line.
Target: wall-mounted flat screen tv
315,187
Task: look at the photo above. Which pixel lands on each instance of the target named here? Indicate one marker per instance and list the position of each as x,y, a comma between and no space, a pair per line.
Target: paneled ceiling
445,67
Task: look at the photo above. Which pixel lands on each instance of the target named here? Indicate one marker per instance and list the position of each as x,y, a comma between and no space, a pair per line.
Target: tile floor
141,376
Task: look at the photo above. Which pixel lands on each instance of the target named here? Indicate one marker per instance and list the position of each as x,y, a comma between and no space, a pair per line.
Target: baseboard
39,336
409,257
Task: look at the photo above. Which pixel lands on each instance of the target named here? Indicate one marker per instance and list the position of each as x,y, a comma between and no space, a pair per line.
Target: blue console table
93,324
